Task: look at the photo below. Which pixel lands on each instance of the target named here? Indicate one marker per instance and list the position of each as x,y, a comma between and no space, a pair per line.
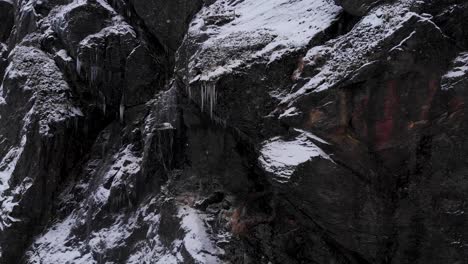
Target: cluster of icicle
94,69
95,74
208,96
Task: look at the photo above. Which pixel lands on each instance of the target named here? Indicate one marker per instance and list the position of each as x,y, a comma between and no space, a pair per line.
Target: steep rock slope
240,131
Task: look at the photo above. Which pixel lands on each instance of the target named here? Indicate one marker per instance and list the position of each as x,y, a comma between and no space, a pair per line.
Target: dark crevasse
253,131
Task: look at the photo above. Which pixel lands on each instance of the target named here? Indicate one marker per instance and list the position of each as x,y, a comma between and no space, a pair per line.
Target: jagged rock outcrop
7,18
167,21
252,131
358,8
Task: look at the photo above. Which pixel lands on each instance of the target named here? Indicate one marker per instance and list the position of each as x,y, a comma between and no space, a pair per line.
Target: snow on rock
114,236
281,156
240,31
64,55
8,164
34,71
458,72
290,112
120,28
126,164
60,12
152,250
197,241
52,247
11,196
65,242
350,52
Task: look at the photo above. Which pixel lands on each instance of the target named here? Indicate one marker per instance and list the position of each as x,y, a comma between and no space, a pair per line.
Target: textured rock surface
358,8
7,18
252,131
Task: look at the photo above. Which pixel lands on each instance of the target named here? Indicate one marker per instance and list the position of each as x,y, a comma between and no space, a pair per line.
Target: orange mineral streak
433,87
314,117
384,127
344,112
238,227
298,72
456,104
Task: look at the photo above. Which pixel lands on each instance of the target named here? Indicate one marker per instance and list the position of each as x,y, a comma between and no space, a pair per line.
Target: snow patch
9,200
52,247
281,157
349,52
290,112
458,72
240,31
63,54
126,163
196,240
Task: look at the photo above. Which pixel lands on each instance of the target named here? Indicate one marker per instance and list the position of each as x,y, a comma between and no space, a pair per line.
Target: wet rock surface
254,131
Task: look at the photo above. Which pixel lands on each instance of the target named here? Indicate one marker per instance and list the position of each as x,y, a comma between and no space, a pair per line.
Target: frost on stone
196,240
64,55
60,244
34,71
242,31
7,195
59,14
340,58
126,164
290,112
457,74
90,51
52,247
281,156
10,196
163,114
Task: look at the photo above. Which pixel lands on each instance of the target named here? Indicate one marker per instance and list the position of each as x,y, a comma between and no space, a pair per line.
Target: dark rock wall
233,131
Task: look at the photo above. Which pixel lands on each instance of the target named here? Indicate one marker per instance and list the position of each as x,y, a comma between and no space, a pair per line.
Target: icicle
121,110
96,55
103,105
189,91
212,97
202,94
94,74
208,97
78,66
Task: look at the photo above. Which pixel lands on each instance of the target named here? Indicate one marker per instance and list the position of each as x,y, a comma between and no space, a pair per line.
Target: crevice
343,255
341,26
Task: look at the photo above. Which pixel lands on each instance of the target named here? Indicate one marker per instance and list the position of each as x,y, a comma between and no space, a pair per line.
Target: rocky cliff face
240,131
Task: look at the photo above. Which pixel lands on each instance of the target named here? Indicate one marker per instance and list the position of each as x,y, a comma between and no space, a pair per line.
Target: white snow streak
256,29
281,157
457,73
196,240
